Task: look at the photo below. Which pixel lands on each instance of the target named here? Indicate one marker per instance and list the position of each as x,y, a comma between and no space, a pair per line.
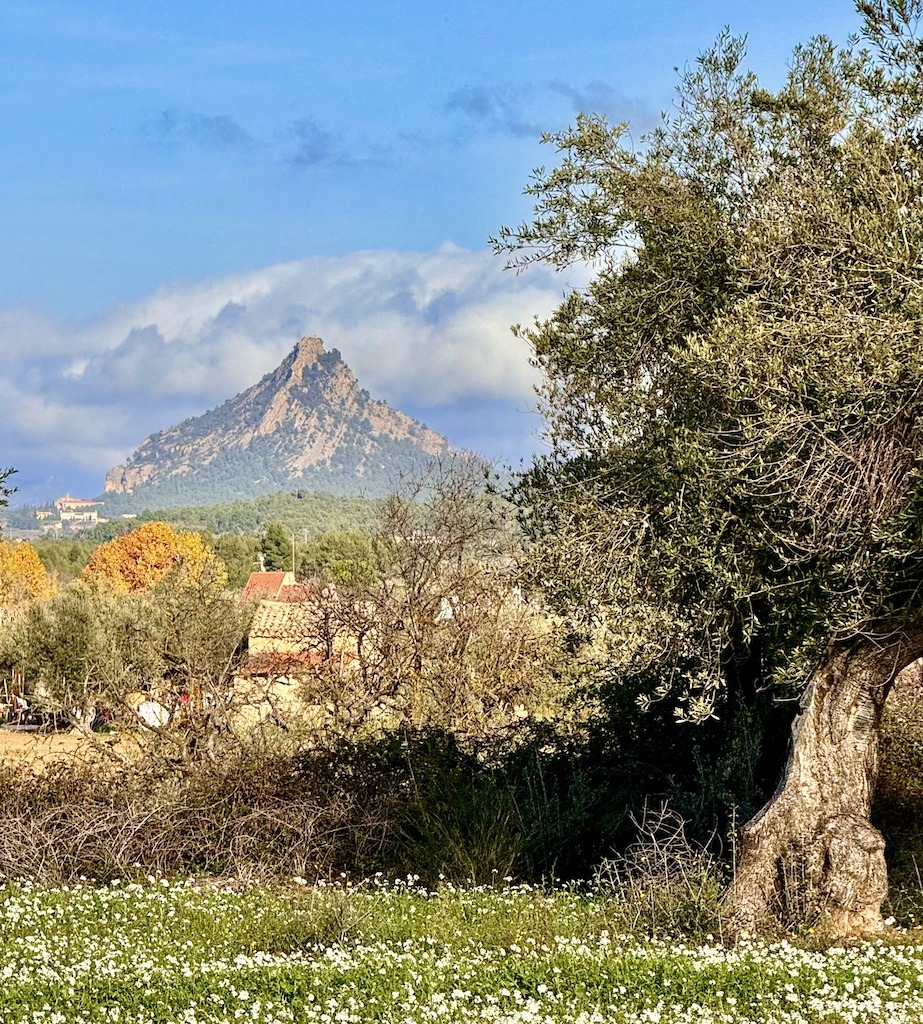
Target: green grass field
183,953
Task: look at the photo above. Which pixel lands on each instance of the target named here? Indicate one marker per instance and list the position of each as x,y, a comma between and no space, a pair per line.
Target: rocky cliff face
308,423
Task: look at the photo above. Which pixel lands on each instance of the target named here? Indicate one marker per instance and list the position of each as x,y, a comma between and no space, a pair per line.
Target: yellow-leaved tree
143,557
23,578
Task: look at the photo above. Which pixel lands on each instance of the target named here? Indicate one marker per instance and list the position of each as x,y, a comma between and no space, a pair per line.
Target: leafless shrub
254,815
663,884
441,636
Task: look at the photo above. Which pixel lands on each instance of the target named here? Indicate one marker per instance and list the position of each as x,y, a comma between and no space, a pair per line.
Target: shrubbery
476,738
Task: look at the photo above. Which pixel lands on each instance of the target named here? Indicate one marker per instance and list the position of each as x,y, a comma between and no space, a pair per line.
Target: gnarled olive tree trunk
812,851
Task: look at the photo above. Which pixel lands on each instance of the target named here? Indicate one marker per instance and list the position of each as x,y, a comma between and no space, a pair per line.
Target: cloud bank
428,332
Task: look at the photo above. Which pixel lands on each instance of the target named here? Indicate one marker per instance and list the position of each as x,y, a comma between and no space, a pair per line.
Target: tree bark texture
811,854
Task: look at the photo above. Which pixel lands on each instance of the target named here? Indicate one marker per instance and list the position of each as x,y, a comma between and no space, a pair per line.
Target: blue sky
188,187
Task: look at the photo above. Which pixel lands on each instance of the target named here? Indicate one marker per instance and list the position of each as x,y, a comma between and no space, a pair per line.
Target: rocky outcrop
308,423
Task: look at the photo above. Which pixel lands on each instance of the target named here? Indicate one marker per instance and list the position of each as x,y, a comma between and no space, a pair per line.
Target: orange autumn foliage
23,578
141,558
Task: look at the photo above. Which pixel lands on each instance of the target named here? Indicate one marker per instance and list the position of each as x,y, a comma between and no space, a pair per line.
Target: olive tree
733,409
174,647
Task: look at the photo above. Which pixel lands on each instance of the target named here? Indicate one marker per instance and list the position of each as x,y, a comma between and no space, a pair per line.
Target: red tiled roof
266,585
281,620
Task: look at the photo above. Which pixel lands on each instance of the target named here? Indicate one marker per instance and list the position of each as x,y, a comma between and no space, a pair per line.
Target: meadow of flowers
184,953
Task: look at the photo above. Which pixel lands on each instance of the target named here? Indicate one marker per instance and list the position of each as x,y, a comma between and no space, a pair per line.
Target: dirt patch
37,749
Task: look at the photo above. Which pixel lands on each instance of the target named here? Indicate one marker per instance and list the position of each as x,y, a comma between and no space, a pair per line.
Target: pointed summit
308,424
305,354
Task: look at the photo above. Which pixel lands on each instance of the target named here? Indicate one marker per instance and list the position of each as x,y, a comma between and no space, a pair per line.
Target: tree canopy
141,558
23,578
733,404
346,555
277,548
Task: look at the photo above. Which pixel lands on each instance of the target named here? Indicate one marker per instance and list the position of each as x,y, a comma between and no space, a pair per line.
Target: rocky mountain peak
308,423
305,355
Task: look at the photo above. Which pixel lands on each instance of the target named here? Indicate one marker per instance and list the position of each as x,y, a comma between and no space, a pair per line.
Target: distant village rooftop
67,503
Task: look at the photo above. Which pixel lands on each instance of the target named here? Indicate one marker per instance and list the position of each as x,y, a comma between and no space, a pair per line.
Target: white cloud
429,330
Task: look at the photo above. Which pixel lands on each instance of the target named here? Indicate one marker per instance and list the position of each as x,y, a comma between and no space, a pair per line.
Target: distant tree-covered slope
298,512
234,529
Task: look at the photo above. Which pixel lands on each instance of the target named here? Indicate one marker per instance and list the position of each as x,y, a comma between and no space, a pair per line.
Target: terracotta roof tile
266,584
283,620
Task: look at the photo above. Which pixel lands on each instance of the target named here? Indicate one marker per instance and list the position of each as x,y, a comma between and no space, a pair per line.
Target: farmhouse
290,634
